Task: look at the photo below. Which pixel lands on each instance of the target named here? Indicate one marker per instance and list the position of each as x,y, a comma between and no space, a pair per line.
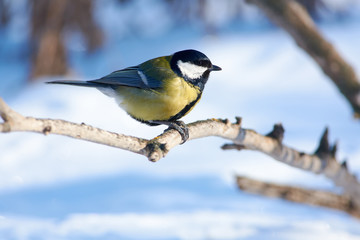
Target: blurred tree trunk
4,13
50,19
201,11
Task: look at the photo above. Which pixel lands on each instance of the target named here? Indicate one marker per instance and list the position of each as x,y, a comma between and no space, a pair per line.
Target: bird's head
193,66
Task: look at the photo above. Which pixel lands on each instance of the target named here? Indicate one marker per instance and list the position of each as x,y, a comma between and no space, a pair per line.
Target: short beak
215,68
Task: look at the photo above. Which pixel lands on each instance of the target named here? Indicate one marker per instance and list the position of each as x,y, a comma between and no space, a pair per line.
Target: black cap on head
193,66
191,56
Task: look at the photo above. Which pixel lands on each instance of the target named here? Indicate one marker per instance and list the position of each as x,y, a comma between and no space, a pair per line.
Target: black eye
203,63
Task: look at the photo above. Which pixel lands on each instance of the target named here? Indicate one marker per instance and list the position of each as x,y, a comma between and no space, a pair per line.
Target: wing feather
131,77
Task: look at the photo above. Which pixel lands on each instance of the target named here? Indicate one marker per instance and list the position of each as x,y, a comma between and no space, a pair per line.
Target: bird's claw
182,129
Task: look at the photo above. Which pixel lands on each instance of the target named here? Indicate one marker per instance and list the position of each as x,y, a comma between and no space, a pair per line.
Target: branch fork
323,161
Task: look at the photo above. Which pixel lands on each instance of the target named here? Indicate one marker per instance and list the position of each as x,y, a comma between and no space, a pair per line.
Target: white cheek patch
190,70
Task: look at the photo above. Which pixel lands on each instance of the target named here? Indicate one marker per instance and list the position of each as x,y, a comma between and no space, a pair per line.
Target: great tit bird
158,91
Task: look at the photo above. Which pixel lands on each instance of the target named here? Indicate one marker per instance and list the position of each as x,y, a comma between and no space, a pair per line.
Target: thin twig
299,195
321,162
293,18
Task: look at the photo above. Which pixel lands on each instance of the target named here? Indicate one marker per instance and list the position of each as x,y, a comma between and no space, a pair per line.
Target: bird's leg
181,128
178,126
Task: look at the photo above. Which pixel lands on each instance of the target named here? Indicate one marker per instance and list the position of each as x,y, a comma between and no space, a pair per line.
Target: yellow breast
147,105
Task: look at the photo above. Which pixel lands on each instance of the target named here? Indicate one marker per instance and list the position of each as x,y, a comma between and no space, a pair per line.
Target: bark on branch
300,195
323,161
291,16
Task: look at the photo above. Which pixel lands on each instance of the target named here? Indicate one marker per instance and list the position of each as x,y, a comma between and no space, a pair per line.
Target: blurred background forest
56,187
42,28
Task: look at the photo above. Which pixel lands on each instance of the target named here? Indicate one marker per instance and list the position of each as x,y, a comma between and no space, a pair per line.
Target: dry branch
299,195
15,122
291,16
321,162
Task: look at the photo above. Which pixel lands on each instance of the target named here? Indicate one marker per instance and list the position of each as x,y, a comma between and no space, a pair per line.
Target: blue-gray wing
130,77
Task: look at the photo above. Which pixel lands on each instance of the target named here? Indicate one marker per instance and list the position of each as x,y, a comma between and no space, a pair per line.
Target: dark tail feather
77,83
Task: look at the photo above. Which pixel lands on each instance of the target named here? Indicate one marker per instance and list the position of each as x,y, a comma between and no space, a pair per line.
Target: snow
176,225
55,187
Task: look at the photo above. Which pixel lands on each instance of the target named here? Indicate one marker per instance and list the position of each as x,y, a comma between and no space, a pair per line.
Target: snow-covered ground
55,187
